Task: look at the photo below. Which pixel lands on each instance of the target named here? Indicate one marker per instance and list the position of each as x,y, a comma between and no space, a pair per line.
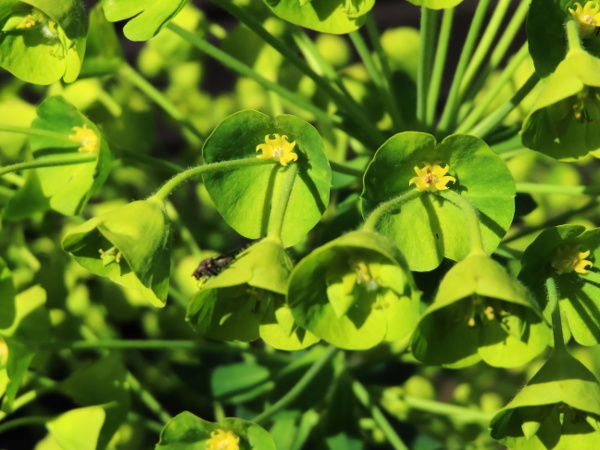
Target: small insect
211,267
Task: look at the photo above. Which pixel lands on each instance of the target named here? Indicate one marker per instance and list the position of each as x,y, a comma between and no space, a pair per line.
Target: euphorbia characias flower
569,259
432,177
223,440
277,148
588,17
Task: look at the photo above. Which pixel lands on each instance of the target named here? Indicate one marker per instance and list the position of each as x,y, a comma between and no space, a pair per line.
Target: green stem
194,172
147,398
471,218
557,220
363,396
76,158
345,102
39,132
142,421
535,188
299,388
453,101
150,160
277,216
24,421
346,169
375,38
428,33
573,38
500,49
388,207
243,69
130,74
457,413
483,47
554,309
487,125
492,93
438,66
47,385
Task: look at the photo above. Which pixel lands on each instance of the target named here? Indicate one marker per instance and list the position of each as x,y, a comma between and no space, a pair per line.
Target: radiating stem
277,216
554,309
438,66
299,388
388,207
130,74
147,398
428,33
457,413
537,188
453,101
76,158
39,132
195,172
470,214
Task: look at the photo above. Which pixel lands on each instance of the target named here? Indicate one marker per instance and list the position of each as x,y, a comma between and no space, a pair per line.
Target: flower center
88,139
432,177
223,440
111,255
278,149
569,259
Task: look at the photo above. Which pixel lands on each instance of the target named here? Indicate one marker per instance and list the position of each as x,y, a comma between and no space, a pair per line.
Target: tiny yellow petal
277,148
588,17
431,178
569,259
88,139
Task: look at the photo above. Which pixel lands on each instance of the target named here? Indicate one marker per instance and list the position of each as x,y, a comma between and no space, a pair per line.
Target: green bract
104,54
546,33
564,120
428,228
480,313
244,197
129,245
579,293
147,17
246,301
64,188
42,41
559,408
189,431
327,16
355,292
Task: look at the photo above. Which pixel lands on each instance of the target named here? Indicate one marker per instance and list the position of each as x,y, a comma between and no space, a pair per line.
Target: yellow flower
88,139
3,353
431,178
588,17
223,440
278,148
568,258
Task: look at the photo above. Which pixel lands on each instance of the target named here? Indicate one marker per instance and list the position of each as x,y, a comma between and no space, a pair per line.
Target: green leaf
78,429
7,297
104,53
384,304
468,321
579,294
43,40
327,16
428,228
563,122
436,4
245,197
147,17
139,233
240,383
66,188
188,432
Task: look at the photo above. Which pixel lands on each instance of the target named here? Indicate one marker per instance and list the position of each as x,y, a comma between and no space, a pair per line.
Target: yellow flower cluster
569,259
223,440
587,16
277,148
88,139
432,178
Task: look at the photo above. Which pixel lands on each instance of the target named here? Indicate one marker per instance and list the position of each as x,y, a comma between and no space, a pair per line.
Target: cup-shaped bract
569,255
42,41
558,408
355,292
246,301
564,121
129,245
480,313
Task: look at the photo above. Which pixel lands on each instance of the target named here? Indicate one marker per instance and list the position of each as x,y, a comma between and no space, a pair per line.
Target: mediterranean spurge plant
247,235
